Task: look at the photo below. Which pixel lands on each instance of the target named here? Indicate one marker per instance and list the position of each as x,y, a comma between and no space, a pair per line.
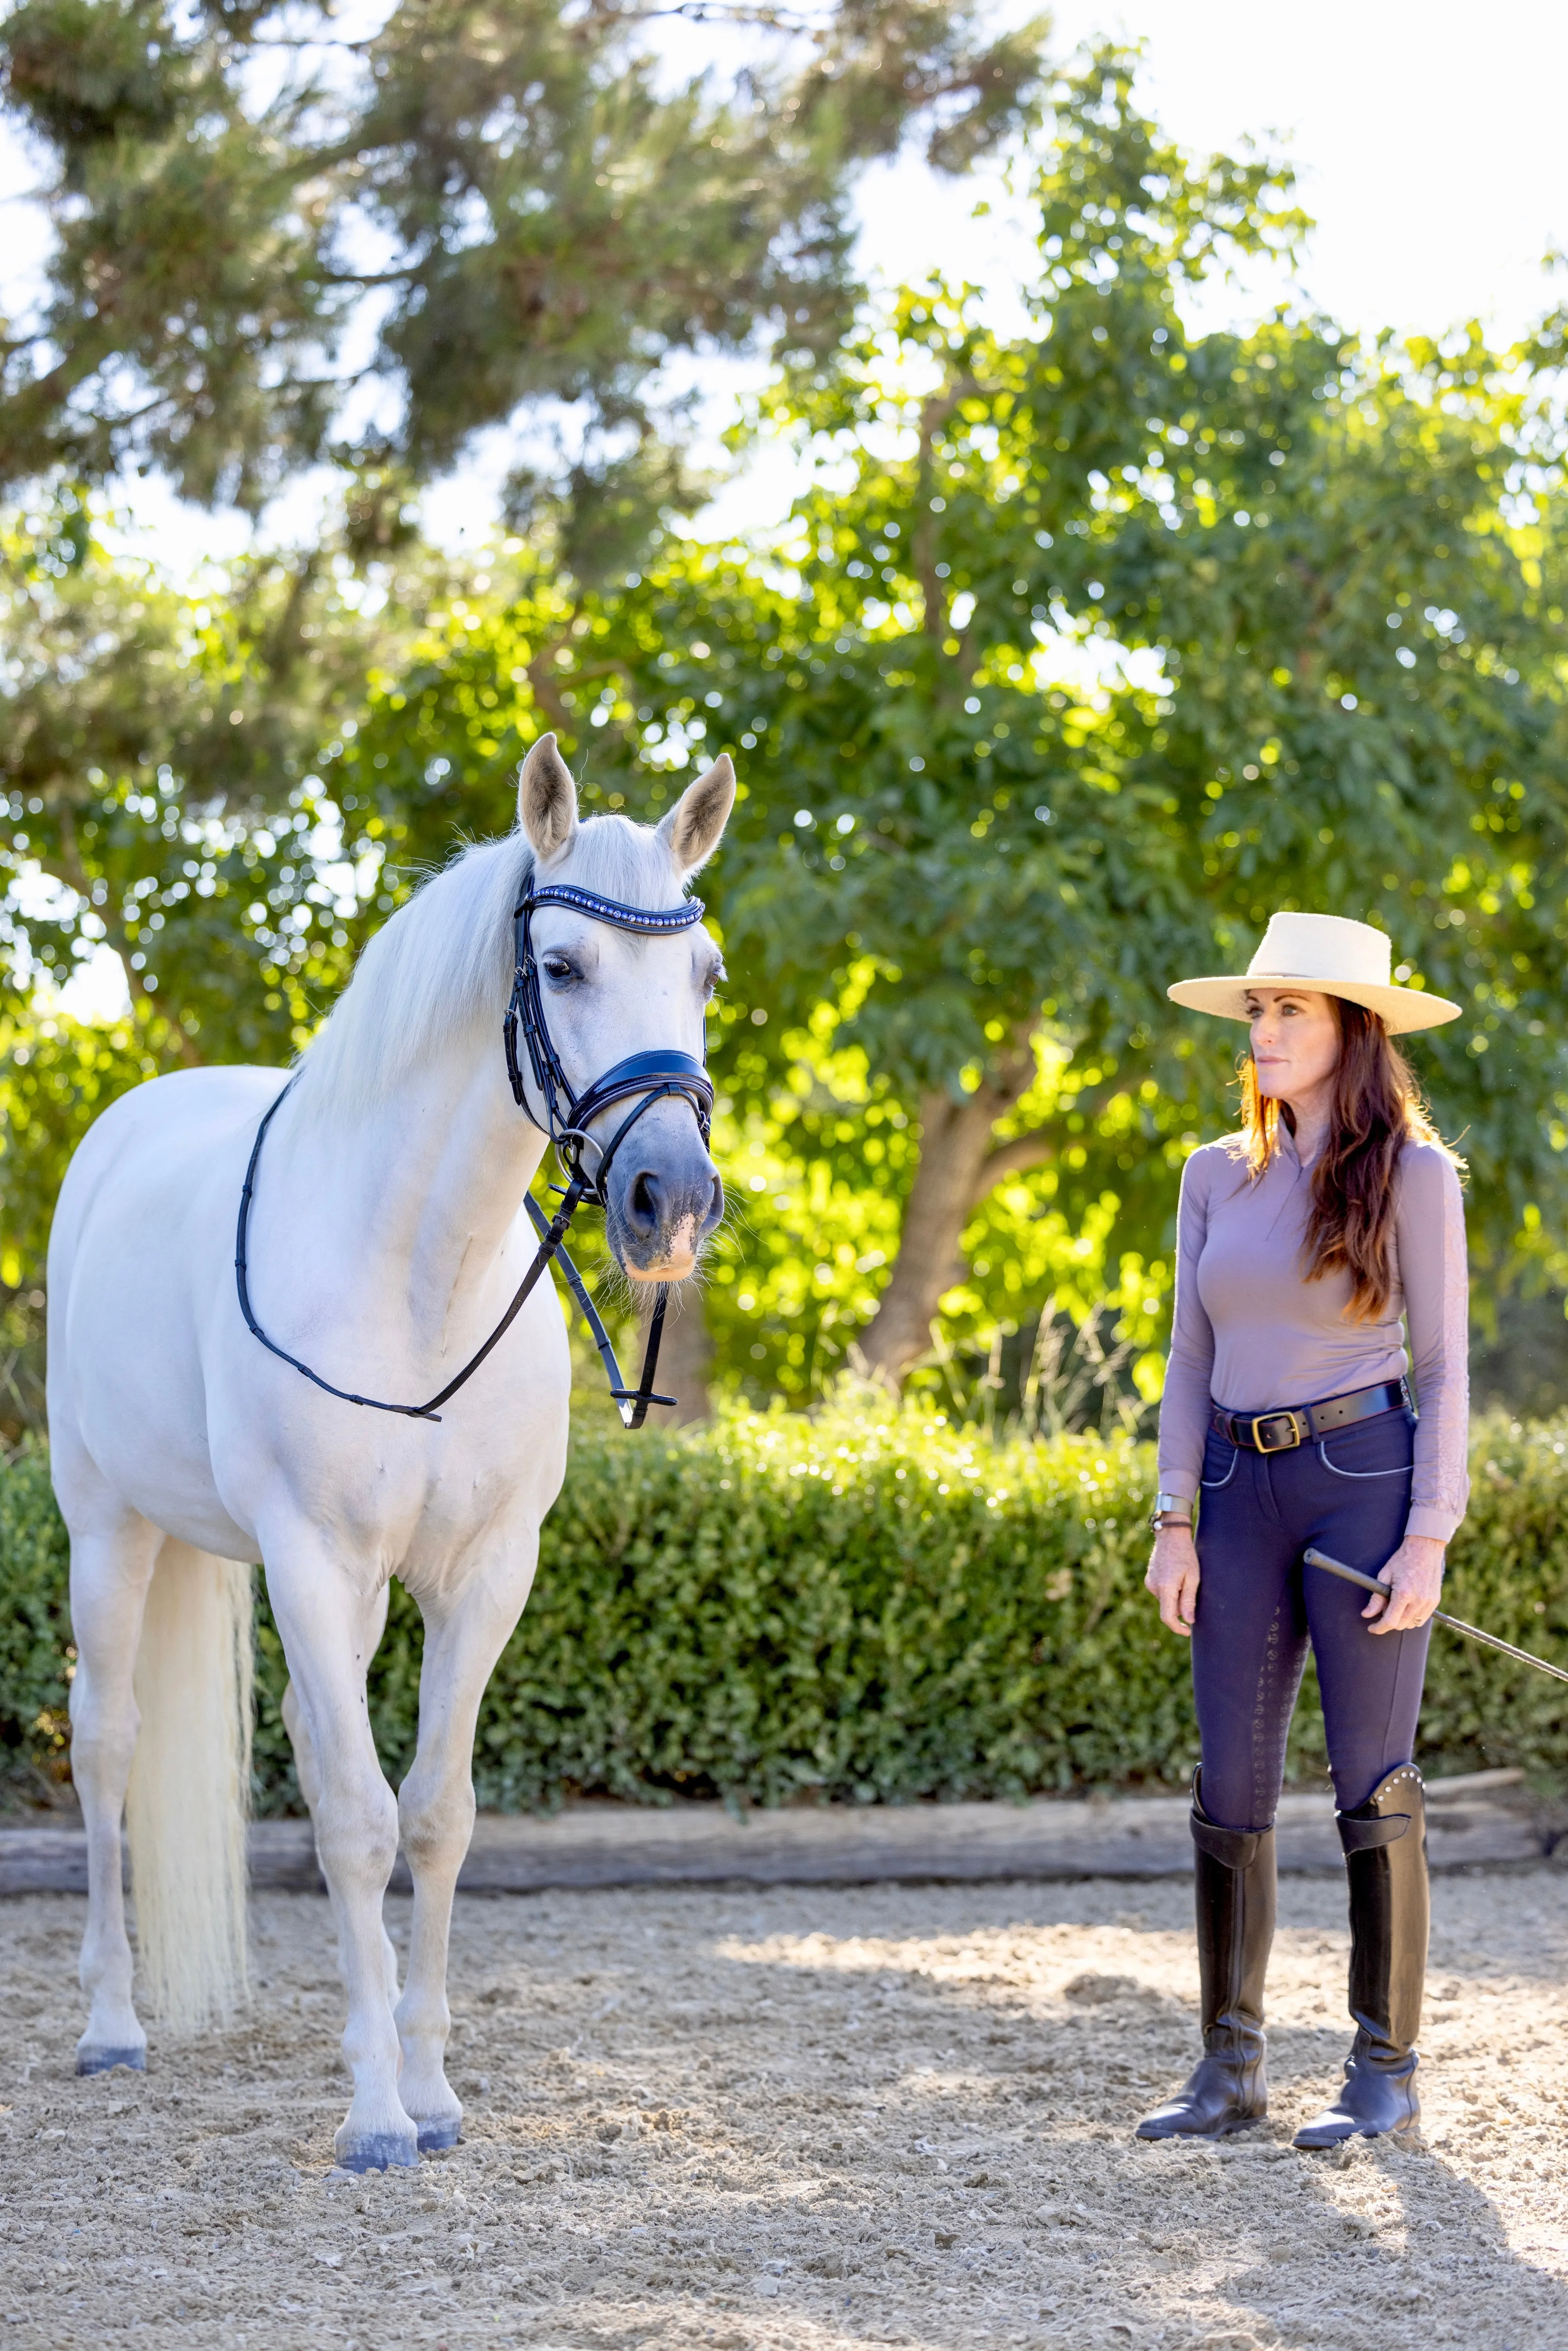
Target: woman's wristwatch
1170,1511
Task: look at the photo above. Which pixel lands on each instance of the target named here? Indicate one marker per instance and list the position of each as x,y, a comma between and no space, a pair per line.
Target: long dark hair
1377,1109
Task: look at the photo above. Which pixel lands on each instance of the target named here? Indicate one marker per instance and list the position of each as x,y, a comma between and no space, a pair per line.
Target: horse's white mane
441,968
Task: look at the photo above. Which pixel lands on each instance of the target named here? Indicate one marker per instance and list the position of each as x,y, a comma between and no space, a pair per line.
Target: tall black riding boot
1384,1844
1236,1900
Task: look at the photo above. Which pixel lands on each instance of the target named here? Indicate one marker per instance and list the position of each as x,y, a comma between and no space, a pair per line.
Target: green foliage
36,1652
1509,1573
56,1076
1084,649
538,215
158,794
869,1605
929,793
156,784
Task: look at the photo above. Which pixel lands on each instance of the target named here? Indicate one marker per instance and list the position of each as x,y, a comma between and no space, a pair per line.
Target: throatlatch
652,1076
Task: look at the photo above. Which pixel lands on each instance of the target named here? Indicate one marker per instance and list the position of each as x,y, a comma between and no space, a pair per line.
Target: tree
161,791
1321,589
958,884
816,1144
156,784
944,870
1349,564
1006,853
506,201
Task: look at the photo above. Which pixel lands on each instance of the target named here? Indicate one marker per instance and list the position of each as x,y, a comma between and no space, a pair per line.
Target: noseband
643,1079
567,1116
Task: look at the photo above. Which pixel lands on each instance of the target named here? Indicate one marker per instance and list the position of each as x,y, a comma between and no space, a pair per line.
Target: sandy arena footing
800,2117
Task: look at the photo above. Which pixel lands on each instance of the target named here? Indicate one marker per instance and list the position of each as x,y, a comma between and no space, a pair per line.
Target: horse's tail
190,1785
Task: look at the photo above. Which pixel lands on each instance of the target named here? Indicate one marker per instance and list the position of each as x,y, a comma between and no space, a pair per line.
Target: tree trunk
959,1166
685,1354
955,1144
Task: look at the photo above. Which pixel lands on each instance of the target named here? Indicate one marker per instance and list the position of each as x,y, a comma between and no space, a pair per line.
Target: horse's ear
547,799
693,829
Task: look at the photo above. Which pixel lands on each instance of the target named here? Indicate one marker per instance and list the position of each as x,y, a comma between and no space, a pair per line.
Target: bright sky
1428,141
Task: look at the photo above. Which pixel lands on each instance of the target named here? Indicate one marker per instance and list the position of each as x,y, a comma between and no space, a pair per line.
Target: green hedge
865,1605
35,1650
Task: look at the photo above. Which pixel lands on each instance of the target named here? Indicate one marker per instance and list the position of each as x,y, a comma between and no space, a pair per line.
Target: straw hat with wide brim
1332,955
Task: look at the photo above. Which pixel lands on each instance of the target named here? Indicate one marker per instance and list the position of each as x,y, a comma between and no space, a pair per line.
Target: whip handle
1454,1624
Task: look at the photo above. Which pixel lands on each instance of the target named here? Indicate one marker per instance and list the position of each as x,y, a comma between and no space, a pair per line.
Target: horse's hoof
433,2137
381,2151
104,2061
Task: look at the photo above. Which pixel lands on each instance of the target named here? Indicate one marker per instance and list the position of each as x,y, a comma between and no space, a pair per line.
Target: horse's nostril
644,1202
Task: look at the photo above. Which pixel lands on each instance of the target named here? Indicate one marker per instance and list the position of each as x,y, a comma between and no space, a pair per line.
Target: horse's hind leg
110,1573
323,1613
436,1806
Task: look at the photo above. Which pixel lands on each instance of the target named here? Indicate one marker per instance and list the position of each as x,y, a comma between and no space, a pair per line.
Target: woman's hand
1172,1578
1416,1572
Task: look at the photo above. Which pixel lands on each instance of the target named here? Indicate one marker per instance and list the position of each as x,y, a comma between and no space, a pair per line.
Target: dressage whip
1454,1624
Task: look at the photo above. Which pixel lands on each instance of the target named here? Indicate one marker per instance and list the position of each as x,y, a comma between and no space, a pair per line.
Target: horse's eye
557,967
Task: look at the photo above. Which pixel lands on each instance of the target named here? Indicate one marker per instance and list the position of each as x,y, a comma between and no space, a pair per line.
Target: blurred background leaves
1085,647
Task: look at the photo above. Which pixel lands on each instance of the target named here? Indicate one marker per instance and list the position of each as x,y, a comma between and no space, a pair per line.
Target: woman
1301,1242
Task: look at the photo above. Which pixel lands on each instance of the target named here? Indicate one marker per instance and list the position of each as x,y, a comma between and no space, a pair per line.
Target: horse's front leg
325,1614
462,1639
308,1770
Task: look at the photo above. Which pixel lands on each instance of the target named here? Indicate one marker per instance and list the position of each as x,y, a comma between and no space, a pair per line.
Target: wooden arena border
1477,1821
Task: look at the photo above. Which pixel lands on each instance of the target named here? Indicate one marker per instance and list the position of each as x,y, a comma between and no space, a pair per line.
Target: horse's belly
192,1515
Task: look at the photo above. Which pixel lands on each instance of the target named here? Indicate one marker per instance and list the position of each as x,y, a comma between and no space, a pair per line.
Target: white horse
388,1233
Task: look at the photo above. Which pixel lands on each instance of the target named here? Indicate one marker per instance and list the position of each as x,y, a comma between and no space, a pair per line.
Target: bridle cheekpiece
652,1076
644,1078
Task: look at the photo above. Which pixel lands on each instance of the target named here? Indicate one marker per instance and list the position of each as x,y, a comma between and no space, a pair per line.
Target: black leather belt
1282,1432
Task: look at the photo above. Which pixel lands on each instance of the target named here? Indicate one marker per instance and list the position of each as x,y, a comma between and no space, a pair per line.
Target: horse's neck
424,1190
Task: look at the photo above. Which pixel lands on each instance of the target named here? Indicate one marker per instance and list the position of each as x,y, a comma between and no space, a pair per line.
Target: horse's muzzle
664,1197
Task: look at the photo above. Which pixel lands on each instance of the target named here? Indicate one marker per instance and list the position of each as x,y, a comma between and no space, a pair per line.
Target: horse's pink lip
673,1269
680,1257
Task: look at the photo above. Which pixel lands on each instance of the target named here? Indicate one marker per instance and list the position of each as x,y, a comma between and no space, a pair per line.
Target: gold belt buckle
1287,1443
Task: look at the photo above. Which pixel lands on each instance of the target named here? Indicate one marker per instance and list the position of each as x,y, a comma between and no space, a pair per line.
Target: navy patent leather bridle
641,1078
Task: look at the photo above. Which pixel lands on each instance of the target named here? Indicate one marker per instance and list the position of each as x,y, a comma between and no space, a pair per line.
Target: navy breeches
1258,1606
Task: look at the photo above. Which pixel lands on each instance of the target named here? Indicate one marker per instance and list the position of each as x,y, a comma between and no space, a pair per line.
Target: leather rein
643,1079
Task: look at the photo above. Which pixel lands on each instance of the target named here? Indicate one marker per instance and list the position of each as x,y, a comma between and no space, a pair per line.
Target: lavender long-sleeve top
1251,1334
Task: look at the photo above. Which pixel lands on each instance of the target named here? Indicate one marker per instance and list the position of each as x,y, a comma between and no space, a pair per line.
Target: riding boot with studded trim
1384,1842
1236,1900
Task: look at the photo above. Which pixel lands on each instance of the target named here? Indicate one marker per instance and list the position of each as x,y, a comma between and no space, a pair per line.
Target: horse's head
609,993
